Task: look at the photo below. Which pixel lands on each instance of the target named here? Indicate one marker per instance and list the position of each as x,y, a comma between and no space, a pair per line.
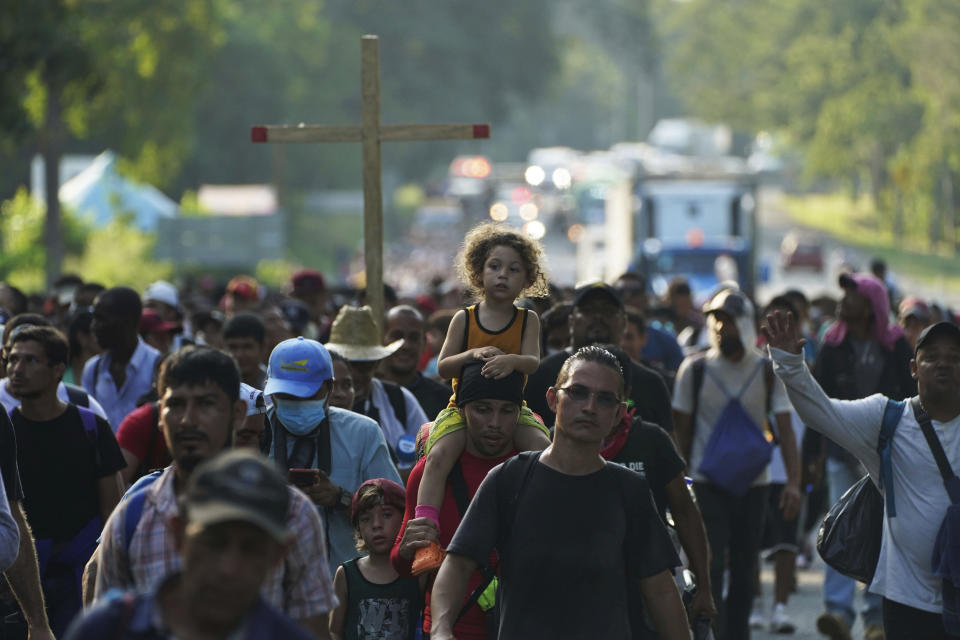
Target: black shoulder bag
850,537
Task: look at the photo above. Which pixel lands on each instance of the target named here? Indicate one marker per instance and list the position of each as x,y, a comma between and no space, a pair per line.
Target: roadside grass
856,223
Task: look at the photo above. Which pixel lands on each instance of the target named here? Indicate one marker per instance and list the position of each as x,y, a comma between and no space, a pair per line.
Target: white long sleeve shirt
904,569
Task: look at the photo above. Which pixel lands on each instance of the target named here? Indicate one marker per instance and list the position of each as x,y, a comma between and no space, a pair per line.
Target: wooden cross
370,133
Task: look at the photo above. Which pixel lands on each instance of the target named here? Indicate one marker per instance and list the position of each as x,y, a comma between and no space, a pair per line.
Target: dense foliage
869,90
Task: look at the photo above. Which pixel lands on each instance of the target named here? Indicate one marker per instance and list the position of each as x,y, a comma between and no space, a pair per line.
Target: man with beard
407,324
490,409
862,354
734,385
598,317
607,556
200,406
123,373
69,466
919,596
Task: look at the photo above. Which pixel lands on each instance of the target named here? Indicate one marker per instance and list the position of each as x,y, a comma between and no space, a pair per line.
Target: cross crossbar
370,134
350,133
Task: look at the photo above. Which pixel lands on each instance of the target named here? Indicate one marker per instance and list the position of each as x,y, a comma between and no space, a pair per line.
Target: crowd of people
505,458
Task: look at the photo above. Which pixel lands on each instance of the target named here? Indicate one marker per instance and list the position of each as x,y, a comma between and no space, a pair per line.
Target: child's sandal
427,559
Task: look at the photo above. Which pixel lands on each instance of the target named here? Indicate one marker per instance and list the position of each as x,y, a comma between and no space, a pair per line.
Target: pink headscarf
876,292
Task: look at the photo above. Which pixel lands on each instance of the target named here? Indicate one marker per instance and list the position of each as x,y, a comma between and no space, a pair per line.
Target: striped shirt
300,586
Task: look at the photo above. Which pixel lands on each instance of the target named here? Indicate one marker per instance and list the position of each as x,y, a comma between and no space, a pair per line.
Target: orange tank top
509,339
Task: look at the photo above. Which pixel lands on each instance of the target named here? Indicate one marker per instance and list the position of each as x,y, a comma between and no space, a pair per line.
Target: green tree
868,90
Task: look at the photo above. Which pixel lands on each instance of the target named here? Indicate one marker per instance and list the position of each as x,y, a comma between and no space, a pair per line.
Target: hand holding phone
303,477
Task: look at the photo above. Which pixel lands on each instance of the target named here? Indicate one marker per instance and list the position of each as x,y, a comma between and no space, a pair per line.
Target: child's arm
526,361
452,356
338,615
440,461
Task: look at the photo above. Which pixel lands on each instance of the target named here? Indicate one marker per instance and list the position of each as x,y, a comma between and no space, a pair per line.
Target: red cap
151,322
391,493
308,281
244,286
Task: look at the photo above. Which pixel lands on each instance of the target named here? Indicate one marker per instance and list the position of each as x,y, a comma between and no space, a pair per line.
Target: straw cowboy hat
354,336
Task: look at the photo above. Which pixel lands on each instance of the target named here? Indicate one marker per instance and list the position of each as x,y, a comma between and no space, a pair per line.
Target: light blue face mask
300,417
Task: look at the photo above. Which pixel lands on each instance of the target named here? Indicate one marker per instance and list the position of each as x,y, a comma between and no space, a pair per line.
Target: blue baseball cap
298,366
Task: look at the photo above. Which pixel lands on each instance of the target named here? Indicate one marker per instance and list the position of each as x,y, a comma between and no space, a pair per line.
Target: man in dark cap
231,532
490,409
598,317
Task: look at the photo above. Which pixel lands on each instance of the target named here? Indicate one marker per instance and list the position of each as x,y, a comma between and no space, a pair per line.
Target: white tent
99,193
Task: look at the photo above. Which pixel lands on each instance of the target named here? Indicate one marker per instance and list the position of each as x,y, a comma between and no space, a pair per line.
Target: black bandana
472,385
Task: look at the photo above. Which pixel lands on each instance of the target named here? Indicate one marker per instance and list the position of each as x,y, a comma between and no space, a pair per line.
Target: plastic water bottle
406,451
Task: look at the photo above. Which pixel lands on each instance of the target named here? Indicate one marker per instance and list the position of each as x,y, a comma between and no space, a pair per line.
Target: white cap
162,291
250,395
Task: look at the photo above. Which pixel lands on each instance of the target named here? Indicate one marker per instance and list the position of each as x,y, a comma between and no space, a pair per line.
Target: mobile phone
302,477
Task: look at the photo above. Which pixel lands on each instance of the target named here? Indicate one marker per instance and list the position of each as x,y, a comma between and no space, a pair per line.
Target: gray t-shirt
903,571
734,375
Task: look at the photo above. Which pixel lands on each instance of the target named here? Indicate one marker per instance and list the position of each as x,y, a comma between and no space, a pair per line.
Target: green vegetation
869,91
856,223
174,87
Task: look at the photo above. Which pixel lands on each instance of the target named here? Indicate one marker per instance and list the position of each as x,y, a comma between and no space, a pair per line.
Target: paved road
804,606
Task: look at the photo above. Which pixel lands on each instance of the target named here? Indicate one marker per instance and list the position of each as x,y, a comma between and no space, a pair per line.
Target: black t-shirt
8,459
649,393
564,565
433,396
59,471
650,451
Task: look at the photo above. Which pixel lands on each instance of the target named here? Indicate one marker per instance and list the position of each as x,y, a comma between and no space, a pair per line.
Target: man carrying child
490,408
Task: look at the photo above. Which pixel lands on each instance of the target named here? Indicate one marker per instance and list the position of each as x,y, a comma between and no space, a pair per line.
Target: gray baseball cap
238,485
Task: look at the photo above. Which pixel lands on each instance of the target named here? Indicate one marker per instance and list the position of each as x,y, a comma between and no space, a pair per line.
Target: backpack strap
397,401
458,486
89,420
769,379
77,396
936,448
523,323
134,508
891,418
699,366
743,389
514,475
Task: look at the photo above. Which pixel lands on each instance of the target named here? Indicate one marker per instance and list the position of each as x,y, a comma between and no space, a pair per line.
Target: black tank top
380,611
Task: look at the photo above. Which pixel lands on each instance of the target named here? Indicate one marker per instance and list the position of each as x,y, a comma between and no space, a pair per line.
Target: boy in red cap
375,602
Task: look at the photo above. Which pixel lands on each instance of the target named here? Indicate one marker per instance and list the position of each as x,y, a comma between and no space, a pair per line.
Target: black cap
939,329
596,288
847,282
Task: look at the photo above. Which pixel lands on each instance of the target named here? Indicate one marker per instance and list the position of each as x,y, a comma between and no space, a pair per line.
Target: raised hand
782,331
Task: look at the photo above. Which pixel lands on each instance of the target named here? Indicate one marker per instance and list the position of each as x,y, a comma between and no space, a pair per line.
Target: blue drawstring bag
737,451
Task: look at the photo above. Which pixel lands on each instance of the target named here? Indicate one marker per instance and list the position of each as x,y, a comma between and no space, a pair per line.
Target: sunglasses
581,395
